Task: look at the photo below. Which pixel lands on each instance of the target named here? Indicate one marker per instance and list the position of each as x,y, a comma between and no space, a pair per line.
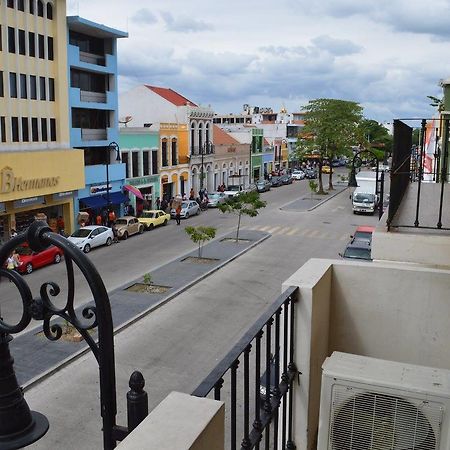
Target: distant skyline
386,55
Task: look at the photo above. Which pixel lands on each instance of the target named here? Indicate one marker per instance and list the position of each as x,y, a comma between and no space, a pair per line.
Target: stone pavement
40,358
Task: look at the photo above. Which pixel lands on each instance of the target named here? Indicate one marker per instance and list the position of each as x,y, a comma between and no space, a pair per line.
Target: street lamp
207,147
112,146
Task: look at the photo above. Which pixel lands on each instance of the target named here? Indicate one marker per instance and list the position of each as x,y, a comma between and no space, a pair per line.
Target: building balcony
87,137
93,134
95,63
92,100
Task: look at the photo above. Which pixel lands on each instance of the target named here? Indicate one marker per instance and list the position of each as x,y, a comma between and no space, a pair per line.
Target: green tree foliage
199,235
331,128
375,137
244,203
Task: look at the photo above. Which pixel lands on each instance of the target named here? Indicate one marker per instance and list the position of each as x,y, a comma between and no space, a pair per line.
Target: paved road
177,345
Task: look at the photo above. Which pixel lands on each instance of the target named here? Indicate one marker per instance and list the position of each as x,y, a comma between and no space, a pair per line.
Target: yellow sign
30,174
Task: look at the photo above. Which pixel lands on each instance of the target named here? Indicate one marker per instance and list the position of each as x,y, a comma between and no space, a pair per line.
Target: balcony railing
412,167
93,134
261,388
91,58
94,97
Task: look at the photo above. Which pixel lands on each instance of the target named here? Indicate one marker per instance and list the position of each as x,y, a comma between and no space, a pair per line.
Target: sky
387,55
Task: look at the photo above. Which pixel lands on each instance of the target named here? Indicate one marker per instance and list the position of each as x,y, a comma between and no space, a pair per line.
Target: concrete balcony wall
180,422
382,310
91,62
92,100
87,137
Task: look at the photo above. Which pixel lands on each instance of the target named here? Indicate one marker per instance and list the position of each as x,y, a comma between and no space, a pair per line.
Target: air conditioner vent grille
362,420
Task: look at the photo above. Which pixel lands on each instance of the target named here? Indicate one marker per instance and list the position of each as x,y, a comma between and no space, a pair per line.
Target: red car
30,260
363,233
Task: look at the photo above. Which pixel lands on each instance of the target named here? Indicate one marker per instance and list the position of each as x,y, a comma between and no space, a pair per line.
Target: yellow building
38,170
174,161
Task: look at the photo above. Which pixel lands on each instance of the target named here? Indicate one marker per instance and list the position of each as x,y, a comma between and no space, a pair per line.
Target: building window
207,137
1,42
127,165
200,137
2,91
15,129
25,137
31,6
49,11
3,128
21,42
34,129
51,89
164,158
12,85
41,46
33,87
50,48
154,162
145,163
42,92
21,5
31,44
135,160
11,40
23,86
40,8
10,3
53,130
44,129
192,139
174,152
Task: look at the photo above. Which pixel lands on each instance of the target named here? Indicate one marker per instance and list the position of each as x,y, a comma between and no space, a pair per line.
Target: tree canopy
331,128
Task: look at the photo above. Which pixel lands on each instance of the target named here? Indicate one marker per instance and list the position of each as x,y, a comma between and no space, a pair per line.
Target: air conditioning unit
373,404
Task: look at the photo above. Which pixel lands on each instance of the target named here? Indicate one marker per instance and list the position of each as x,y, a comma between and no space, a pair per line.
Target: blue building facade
93,114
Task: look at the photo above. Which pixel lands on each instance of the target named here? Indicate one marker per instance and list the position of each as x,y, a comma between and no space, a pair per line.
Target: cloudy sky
388,55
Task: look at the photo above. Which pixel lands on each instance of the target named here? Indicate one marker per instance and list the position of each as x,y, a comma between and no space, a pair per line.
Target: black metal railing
263,387
415,164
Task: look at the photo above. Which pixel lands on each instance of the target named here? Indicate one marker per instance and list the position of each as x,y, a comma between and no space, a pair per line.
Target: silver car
215,199
188,208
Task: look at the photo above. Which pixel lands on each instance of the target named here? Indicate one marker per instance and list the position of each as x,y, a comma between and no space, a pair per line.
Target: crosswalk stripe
283,230
311,233
272,230
266,228
293,231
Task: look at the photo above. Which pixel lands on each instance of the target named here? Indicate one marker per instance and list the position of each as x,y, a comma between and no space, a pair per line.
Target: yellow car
326,169
152,218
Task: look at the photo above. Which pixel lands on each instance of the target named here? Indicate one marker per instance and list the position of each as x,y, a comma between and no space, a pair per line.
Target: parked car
287,179
363,233
188,208
326,169
276,181
357,250
30,260
151,218
263,382
310,173
86,238
215,199
263,185
233,190
127,226
298,174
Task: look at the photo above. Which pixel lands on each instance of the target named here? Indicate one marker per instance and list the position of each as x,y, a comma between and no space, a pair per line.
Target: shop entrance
52,215
167,191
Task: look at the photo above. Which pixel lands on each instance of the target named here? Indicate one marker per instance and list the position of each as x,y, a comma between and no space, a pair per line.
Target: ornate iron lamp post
112,146
20,427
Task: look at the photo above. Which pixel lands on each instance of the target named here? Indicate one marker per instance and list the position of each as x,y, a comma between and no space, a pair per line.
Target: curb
43,376
329,197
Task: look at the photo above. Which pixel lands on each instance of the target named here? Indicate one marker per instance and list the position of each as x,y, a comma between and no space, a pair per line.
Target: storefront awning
99,201
134,190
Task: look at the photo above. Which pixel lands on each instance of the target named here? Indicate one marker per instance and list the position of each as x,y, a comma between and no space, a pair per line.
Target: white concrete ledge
180,422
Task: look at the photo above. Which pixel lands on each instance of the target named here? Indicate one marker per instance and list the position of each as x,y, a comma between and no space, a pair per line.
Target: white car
91,236
188,208
298,174
215,199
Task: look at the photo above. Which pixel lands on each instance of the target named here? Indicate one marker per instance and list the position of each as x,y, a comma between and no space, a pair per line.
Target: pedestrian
191,194
184,197
111,218
158,203
13,232
98,219
16,259
178,214
164,204
10,263
60,225
104,218
115,233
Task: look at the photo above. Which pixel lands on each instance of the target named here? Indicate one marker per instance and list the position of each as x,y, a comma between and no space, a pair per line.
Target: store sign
143,180
99,189
61,195
29,201
10,183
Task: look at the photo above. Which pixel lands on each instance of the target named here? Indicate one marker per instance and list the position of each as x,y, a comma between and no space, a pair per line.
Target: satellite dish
125,120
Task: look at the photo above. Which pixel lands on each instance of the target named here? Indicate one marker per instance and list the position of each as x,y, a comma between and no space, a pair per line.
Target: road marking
272,230
293,231
312,233
283,230
266,228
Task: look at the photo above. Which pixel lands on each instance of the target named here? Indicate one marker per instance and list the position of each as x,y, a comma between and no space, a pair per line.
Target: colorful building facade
38,170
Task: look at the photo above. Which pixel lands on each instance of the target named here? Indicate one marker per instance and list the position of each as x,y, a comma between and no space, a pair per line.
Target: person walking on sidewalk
178,214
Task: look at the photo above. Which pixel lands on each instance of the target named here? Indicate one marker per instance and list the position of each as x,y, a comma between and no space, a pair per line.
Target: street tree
244,203
331,128
375,138
199,235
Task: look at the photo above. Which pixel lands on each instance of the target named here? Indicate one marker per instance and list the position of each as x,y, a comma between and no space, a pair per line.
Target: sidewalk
40,358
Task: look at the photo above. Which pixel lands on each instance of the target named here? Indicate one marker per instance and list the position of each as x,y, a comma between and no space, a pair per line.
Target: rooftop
222,137
171,96
77,23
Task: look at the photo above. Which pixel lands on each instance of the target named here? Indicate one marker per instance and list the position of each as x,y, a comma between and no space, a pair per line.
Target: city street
178,344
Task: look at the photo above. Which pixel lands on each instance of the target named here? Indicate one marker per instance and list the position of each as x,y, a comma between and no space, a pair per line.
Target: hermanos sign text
10,183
